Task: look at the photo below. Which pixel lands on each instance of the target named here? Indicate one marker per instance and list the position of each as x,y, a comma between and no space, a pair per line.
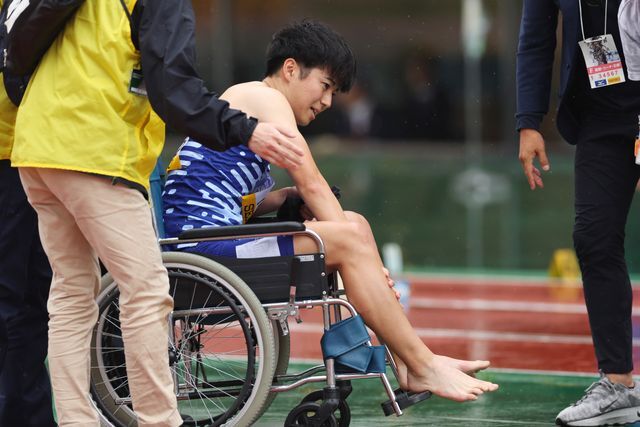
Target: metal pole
473,39
222,47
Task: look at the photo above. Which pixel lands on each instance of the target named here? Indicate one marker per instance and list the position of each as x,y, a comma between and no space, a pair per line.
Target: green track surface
524,399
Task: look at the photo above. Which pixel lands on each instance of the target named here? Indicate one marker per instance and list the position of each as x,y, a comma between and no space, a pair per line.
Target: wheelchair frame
282,311
332,398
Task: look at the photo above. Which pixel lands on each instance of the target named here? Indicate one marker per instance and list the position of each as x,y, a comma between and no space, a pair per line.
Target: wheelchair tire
226,384
283,352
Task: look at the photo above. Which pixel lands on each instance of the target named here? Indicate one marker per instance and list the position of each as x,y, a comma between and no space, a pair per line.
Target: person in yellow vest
86,141
25,275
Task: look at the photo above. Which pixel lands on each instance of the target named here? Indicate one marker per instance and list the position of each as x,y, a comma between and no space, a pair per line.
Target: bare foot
402,373
469,367
446,381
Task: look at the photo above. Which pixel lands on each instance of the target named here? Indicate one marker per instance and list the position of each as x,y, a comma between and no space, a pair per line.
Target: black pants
25,277
605,181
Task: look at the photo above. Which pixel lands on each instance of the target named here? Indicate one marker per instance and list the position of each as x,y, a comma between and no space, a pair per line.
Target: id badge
136,84
601,56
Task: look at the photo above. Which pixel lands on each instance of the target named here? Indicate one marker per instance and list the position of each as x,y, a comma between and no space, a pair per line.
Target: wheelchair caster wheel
343,413
404,399
303,415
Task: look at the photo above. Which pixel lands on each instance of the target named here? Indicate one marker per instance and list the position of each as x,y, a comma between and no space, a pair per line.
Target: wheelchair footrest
404,399
346,343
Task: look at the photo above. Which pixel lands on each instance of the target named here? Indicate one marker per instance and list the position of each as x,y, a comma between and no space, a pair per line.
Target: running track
516,323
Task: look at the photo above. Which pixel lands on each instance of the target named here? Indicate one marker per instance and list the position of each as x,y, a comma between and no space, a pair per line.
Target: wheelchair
229,337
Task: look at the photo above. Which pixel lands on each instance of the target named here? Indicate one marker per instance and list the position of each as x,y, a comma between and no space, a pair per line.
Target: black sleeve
175,90
534,61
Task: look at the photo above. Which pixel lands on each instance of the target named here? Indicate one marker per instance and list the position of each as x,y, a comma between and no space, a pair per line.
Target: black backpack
27,30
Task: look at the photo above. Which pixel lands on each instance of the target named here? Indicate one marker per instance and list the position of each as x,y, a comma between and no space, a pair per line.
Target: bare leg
467,366
351,249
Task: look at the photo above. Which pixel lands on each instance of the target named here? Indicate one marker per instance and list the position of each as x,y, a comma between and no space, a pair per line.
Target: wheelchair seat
270,278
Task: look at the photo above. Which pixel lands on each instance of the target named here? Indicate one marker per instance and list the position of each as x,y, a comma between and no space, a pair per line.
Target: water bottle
403,287
392,258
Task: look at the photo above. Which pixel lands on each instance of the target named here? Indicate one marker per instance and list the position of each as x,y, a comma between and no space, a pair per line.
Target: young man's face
310,94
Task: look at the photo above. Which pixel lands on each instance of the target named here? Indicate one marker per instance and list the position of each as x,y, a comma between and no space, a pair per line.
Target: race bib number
248,207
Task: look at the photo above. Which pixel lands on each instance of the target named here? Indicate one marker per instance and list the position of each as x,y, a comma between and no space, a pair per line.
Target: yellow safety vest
7,120
78,113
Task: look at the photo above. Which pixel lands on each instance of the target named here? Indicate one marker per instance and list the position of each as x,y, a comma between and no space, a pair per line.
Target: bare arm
274,144
269,105
274,200
314,189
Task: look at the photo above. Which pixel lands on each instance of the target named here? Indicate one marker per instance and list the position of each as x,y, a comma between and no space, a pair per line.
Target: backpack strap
134,20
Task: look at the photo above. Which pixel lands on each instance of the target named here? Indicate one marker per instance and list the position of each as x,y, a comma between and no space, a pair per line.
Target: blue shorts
260,247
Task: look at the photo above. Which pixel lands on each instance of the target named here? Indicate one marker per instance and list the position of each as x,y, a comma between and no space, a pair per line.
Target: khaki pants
82,217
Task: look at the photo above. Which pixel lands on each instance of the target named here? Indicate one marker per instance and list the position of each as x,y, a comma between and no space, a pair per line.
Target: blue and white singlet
206,188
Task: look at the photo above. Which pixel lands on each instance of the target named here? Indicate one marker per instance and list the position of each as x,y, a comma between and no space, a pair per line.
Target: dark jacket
535,58
176,91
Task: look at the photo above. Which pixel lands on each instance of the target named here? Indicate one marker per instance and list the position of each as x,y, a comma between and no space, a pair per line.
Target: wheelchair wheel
342,413
222,356
302,415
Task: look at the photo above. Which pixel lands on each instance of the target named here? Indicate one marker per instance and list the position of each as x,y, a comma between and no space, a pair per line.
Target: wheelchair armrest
236,231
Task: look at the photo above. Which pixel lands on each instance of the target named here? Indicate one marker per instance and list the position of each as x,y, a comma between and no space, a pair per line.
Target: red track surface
518,324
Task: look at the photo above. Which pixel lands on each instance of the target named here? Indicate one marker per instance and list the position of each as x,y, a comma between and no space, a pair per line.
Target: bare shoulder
260,101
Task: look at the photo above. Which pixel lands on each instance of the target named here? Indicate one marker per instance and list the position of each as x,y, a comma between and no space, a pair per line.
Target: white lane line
494,336
546,372
496,305
480,280
507,281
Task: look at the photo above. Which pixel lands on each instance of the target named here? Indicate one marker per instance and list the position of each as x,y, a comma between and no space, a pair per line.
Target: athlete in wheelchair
229,341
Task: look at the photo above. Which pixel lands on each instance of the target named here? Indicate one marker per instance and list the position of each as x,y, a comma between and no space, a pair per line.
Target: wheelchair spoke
215,352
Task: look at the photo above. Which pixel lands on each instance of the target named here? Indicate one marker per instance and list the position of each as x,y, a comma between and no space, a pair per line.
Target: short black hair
313,44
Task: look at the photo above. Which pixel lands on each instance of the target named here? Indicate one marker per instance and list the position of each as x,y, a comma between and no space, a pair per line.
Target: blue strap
378,363
344,336
345,342
365,359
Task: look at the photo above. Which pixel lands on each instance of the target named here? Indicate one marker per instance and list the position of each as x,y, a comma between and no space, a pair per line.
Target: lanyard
606,8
